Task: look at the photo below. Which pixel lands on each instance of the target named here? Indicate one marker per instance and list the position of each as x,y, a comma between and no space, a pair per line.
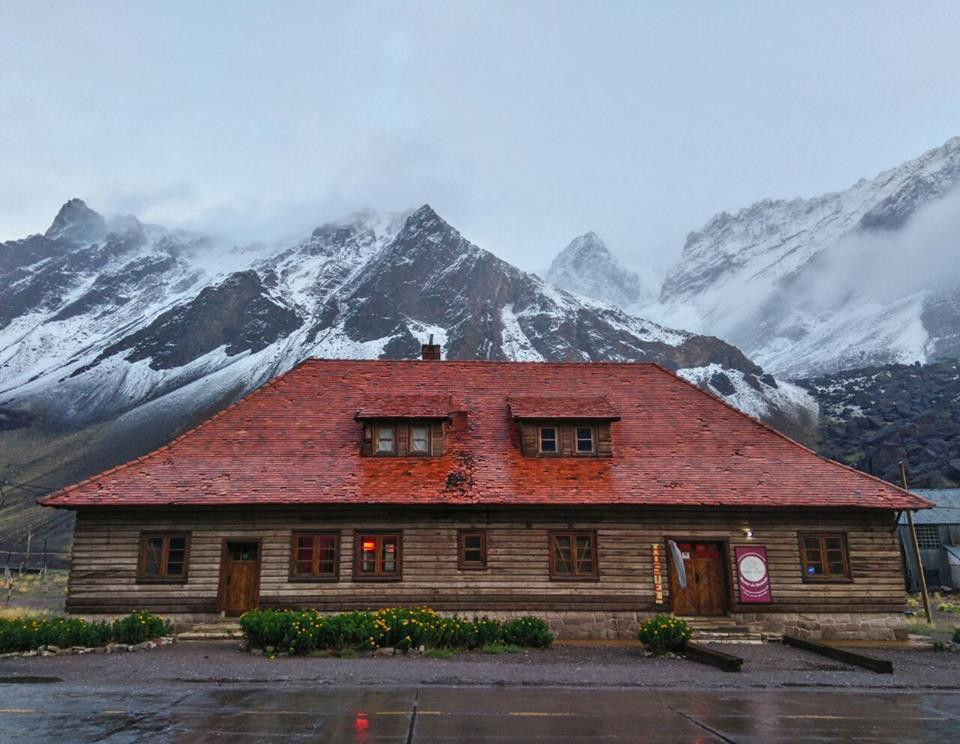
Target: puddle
27,680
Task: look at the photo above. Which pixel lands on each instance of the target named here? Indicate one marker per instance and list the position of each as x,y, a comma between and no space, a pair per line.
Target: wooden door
239,577
706,589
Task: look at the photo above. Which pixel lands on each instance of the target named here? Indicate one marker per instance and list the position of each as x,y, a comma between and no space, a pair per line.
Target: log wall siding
106,542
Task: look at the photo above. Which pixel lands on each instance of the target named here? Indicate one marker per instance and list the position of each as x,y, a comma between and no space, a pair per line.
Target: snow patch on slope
786,397
516,344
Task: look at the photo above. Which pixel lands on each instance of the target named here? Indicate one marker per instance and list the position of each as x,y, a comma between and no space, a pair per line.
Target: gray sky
523,123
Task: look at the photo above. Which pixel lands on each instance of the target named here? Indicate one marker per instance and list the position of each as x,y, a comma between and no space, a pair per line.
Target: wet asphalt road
61,712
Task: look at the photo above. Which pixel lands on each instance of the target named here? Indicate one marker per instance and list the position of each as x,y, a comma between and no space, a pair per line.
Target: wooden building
591,494
938,537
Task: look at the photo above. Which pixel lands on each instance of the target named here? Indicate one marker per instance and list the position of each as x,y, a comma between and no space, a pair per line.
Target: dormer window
404,425
564,426
548,440
586,440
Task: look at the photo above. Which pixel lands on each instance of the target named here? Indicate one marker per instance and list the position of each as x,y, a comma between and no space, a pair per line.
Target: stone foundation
836,626
581,625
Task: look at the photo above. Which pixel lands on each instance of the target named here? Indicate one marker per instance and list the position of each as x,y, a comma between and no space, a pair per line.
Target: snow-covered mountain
587,268
115,336
865,276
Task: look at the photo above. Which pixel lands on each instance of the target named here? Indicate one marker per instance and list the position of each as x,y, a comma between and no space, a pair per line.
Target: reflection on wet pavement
199,713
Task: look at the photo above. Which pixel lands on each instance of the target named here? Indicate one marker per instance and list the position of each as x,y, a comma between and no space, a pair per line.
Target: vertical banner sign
657,572
752,574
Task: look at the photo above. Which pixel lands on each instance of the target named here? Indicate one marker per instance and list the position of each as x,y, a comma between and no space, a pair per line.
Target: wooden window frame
556,439
376,440
414,453
142,578
462,563
825,578
593,440
358,536
312,577
551,555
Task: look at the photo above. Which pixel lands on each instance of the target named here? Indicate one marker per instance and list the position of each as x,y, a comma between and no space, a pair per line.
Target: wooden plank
881,666
723,661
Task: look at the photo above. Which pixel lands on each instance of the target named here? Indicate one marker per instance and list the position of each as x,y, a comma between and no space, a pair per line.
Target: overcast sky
523,123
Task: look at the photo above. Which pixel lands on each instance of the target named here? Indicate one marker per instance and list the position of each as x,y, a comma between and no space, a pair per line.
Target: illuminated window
548,439
420,439
377,555
824,557
314,555
472,550
585,440
573,555
163,558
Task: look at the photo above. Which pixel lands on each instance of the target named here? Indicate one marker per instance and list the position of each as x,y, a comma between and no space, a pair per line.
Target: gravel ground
767,665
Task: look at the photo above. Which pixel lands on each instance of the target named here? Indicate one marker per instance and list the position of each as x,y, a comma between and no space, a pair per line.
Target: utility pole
921,579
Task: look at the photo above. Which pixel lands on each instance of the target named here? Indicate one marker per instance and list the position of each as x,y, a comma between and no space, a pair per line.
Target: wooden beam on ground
719,659
881,666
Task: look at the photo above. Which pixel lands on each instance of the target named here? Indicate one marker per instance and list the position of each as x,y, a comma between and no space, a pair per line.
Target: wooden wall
103,574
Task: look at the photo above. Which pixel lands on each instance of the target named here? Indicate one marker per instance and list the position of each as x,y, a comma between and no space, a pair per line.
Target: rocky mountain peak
424,221
586,247
791,281
587,267
77,222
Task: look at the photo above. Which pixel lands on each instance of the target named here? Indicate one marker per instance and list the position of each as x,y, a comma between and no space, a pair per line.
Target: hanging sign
752,574
656,548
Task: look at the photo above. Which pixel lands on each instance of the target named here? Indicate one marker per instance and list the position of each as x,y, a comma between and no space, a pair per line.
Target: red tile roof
295,441
404,407
595,407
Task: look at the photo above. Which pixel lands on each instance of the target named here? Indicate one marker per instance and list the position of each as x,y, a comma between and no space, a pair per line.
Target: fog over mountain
861,277
116,335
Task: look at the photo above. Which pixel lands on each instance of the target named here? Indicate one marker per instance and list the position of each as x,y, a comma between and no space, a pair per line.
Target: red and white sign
752,574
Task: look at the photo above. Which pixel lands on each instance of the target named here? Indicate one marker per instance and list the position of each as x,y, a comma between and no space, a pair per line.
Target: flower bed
32,633
665,634
304,631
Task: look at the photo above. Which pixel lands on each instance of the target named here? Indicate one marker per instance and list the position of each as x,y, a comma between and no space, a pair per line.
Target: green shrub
663,633
138,627
488,631
949,607
300,632
956,635
527,631
28,633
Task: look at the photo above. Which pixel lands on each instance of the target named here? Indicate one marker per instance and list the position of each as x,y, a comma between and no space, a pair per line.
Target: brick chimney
430,351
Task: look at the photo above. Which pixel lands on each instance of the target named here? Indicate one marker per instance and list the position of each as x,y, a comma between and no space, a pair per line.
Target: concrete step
212,632
700,621
727,638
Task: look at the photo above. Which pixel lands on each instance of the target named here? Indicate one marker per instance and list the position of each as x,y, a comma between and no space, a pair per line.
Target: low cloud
885,265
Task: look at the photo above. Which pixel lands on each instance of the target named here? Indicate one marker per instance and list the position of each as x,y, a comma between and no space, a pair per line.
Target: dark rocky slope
875,417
